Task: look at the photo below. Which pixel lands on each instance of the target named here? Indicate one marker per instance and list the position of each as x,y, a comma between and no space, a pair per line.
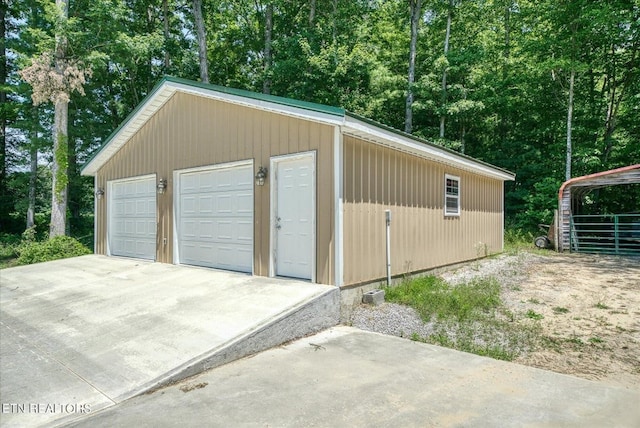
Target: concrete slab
344,377
92,331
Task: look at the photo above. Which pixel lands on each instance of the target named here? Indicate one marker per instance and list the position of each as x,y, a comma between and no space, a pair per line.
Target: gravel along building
229,179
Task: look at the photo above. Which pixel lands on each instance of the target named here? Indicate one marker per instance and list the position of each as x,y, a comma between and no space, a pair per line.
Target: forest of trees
548,89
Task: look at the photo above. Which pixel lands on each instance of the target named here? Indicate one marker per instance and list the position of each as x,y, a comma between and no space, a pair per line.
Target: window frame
447,195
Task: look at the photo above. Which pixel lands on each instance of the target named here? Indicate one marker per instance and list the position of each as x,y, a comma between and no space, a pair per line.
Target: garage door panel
132,223
215,219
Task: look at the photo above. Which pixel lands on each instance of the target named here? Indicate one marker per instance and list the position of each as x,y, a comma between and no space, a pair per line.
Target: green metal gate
606,234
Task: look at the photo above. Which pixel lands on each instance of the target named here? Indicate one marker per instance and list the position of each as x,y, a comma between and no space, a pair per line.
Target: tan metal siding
191,131
378,178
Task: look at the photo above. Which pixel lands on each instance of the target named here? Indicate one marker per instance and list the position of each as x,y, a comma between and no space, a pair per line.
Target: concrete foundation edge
307,318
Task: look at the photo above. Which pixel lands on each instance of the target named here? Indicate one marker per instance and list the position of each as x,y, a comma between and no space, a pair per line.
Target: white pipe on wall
387,214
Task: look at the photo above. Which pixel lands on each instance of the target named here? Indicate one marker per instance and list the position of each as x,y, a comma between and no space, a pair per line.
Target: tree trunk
268,29
416,6
33,180
312,12
165,12
444,72
3,117
507,29
59,172
567,172
202,40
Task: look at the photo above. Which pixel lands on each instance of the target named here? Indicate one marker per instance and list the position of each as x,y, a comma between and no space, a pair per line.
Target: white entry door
215,217
131,223
294,216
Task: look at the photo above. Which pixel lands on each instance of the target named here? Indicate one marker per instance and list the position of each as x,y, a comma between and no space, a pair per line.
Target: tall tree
201,34
268,33
444,71
3,103
53,76
59,167
415,9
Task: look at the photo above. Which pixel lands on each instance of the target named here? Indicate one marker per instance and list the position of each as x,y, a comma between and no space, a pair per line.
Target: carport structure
606,233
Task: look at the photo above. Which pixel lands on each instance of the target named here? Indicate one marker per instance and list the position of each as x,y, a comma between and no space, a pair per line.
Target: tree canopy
511,82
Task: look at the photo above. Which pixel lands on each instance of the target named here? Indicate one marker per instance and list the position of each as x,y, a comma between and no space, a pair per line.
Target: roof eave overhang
362,129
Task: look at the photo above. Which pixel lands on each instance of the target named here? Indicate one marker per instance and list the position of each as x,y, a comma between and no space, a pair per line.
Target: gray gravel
402,321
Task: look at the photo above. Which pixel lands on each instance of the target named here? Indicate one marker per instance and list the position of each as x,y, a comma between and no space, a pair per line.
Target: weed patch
534,315
432,296
469,317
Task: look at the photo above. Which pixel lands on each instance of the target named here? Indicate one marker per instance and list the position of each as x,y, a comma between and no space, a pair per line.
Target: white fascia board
396,141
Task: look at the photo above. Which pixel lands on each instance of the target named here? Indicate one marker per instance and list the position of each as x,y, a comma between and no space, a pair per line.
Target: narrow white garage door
215,217
132,218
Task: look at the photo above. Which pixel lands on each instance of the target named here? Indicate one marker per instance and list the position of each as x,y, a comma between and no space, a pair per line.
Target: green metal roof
320,108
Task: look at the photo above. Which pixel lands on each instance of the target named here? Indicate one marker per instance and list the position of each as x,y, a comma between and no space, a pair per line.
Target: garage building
223,178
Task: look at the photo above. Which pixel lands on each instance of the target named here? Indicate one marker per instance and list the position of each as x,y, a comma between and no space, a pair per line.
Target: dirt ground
590,315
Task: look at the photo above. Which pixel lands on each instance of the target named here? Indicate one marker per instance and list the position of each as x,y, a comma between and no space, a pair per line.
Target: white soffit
381,136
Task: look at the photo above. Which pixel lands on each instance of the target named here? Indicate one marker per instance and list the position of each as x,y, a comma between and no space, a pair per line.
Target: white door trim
176,203
107,198
273,200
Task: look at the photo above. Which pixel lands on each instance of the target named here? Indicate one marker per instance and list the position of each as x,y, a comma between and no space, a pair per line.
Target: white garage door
132,218
215,217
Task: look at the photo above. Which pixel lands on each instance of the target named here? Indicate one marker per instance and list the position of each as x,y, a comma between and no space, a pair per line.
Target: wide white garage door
215,217
132,218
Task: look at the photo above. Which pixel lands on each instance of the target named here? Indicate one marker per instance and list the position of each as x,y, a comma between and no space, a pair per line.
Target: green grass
601,305
534,315
468,317
432,296
560,310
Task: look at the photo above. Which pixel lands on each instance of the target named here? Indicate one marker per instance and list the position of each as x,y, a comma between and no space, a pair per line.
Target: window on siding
451,195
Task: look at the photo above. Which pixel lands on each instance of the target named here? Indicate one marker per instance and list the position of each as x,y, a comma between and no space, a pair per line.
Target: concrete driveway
88,332
344,377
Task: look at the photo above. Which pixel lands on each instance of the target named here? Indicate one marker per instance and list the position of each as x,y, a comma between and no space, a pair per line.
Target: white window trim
456,178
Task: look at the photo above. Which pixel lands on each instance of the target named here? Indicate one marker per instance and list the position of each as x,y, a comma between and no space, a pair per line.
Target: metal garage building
223,178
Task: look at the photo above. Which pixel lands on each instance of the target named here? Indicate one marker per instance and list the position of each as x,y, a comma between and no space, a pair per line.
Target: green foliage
531,314
59,247
467,317
9,245
516,239
506,93
432,296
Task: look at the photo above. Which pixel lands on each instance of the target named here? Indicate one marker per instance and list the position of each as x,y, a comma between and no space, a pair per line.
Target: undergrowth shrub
9,245
56,248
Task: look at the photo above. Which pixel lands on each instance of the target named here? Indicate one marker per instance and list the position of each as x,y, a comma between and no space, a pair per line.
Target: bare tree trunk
507,29
202,40
444,72
312,12
60,141
33,180
567,172
416,11
268,29
165,12
3,100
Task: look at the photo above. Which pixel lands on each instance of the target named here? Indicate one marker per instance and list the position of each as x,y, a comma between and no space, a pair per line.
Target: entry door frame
273,173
